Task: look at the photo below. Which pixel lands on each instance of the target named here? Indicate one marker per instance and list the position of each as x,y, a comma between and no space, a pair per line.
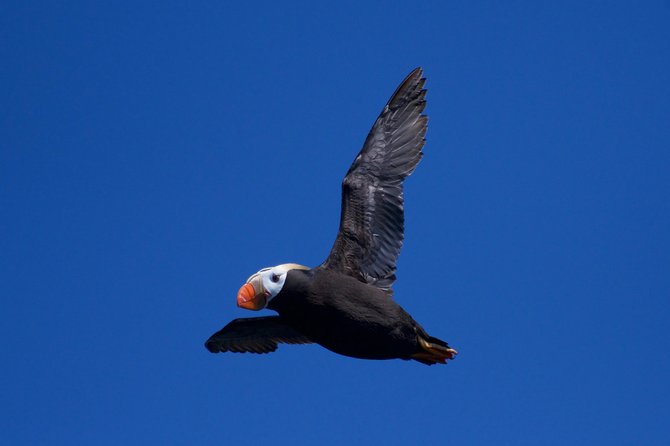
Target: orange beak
252,296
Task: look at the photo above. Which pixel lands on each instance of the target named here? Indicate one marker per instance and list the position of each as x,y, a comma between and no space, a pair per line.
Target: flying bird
346,304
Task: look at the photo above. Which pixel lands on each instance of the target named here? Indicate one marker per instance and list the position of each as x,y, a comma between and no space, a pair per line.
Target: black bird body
346,316
346,303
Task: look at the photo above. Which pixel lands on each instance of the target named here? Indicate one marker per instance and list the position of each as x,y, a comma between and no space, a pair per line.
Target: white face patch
273,281
273,278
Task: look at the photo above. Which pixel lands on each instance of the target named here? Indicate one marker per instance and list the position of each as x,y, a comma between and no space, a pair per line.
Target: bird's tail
433,351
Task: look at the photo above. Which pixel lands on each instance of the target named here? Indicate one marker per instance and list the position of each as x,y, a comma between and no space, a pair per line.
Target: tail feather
437,341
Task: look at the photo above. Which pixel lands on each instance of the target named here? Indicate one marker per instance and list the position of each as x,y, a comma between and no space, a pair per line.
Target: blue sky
154,155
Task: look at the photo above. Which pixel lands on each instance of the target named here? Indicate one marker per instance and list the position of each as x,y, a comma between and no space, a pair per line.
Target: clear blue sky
154,155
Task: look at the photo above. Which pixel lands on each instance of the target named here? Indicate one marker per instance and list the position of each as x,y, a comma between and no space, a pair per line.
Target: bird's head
264,285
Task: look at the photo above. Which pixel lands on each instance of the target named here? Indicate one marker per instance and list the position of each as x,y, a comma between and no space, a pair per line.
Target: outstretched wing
254,335
372,218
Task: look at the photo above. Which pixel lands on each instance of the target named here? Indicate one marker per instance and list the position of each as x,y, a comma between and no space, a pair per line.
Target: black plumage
347,316
372,220
345,304
255,335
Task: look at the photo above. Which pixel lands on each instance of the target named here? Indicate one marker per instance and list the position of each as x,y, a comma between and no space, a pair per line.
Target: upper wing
372,218
254,335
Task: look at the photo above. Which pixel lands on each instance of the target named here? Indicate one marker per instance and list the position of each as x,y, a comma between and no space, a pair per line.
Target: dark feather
254,335
372,218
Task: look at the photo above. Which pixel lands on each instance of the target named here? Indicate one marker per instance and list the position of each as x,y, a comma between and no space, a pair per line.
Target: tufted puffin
346,304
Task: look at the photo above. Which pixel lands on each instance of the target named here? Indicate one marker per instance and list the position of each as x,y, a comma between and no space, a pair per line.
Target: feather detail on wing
254,335
372,216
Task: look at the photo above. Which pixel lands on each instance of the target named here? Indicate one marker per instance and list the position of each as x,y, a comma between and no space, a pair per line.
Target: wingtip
418,71
411,86
414,77
212,346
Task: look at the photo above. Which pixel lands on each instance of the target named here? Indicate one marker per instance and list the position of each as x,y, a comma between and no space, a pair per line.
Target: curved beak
252,295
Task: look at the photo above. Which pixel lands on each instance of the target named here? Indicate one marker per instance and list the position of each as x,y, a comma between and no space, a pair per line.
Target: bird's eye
274,278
